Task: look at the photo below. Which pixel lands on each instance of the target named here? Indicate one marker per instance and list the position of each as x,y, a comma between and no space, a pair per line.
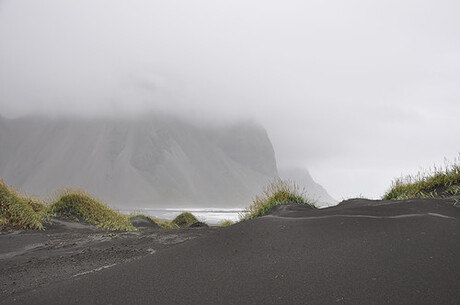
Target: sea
209,215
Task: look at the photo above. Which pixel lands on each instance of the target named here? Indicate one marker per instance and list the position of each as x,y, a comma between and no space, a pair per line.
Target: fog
358,92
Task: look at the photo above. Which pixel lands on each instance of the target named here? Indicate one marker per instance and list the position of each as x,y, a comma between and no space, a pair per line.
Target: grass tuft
162,223
434,183
278,192
78,205
186,219
20,211
225,223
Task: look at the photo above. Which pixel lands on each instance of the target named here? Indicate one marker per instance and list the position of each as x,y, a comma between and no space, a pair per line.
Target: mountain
153,161
304,181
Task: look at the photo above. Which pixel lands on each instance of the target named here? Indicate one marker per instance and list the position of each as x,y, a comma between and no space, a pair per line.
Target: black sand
360,252
34,259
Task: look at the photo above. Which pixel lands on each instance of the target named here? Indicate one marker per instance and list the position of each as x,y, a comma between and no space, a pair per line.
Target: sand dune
359,252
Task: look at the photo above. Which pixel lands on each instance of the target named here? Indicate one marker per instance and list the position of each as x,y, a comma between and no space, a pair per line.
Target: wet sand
359,252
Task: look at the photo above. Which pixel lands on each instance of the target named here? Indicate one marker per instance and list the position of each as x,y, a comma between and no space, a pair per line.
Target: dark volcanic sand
359,252
66,250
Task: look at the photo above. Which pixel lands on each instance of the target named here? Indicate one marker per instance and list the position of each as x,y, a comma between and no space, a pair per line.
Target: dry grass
79,205
162,223
183,220
225,223
278,192
19,210
433,183
75,204
166,224
138,215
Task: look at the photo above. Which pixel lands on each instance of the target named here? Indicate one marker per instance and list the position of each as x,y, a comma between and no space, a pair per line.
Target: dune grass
146,217
185,219
162,223
168,225
20,211
78,205
278,192
131,216
24,212
438,182
225,223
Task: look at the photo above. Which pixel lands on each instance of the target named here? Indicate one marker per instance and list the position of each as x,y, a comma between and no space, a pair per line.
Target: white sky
359,92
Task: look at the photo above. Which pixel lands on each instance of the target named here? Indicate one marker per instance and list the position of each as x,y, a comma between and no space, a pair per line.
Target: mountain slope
152,161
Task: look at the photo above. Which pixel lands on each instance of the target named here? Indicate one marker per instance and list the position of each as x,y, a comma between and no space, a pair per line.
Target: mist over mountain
305,182
151,161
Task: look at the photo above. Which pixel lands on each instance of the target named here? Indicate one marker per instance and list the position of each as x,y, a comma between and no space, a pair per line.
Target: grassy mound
78,205
166,224
434,183
20,211
141,220
162,223
278,192
185,219
147,218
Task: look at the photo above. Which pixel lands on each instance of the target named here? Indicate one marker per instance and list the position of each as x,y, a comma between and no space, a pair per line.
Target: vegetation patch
187,219
225,223
162,223
168,225
145,217
439,182
141,220
278,192
78,205
20,211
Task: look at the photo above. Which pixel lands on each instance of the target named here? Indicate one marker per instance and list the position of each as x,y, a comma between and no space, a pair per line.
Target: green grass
24,212
20,211
168,225
434,183
225,223
27,213
278,192
185,219
78,205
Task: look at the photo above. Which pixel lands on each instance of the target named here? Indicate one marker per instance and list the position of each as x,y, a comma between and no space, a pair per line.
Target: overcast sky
356,91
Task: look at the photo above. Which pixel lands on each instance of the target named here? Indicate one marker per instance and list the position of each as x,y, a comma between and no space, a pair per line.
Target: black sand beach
359,252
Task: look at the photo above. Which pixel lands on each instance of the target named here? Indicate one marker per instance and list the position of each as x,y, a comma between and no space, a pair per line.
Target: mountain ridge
153,160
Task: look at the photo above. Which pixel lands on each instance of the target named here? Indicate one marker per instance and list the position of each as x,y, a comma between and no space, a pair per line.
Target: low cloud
358,92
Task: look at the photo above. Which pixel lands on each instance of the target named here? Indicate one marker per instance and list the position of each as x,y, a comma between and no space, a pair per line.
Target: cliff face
149,162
